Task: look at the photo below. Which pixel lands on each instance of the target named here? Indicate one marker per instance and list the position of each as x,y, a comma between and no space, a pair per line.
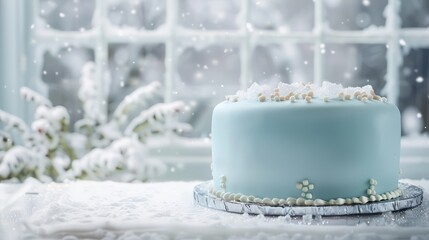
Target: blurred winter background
200,51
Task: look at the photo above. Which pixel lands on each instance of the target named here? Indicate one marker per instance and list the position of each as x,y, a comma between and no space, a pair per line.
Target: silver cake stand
412,196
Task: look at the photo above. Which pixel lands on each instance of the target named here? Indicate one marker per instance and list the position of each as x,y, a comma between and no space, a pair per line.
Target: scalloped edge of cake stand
412,197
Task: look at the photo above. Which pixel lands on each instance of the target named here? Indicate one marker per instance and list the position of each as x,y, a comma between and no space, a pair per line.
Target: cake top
305,92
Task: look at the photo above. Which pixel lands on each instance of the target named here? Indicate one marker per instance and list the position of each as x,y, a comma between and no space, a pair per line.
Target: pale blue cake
306,148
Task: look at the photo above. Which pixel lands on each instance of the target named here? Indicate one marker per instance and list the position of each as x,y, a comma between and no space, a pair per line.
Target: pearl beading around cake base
238,197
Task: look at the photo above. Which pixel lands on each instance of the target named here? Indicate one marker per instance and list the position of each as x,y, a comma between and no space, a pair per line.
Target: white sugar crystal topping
304,91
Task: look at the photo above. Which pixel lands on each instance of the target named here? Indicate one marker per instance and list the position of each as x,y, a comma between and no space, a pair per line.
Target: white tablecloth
108,210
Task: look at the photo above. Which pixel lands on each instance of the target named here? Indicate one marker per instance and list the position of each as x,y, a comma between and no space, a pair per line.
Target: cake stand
412,196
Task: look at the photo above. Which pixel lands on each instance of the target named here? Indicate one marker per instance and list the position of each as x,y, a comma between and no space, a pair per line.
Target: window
204,50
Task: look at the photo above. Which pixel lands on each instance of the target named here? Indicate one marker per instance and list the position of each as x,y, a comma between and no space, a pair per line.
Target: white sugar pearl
226,196
309,196
275,201
291,201
319,202
299,186
388,195
363,199
305,189
325,98
300,201
305,182
237,197
340,201
311,186
357,93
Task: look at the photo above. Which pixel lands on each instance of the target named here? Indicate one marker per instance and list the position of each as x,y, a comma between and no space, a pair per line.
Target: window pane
414,13
355,14
286,62
214,67
414,98
282,15
61,72
205,76
365,64
66,15
209,14
132,66
138,14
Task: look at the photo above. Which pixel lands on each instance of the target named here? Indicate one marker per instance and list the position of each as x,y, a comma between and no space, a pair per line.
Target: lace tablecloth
108,210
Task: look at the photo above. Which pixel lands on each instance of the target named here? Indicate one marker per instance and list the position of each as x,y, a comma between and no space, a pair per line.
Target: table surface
109,210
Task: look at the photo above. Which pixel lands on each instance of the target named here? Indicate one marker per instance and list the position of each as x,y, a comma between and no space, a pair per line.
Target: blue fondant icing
266,148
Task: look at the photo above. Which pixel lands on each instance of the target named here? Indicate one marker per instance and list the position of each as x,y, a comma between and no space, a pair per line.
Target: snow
157,119
32,96
109,210
330,90
138,98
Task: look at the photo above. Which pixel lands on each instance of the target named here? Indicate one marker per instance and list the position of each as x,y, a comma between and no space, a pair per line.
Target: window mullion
394,56
101,55
318,30
170,46
245,75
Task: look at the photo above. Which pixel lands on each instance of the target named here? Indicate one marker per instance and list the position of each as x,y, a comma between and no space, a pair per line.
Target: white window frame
100,37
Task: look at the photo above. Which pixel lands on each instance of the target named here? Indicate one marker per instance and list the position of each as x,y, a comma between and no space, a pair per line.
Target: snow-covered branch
99,149
158,119
21,162
88,93
14,122
138,98
98,164
6,141
32,96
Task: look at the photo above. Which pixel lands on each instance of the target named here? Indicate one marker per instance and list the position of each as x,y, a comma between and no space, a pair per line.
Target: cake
297,144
